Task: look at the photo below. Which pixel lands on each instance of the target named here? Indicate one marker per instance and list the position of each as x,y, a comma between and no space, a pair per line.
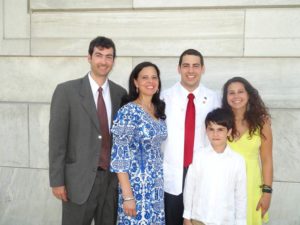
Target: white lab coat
173,148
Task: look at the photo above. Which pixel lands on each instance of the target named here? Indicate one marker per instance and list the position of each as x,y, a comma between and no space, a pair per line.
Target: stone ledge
37,82
269,47
272,23
139,24
36,5
14,31
141,47
16,19
212,3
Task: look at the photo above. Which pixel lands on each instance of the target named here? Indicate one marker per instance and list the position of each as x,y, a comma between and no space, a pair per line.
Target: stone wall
44,42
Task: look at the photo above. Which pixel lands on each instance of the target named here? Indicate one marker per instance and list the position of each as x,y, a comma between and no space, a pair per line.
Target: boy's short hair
223,117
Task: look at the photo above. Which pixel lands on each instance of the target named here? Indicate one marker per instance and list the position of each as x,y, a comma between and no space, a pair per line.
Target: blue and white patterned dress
137,139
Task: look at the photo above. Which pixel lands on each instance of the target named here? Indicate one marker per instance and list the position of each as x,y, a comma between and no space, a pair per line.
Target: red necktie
189,132
106,142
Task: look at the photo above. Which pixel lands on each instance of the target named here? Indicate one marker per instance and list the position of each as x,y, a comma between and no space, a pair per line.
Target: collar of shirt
95,87
184,92
225,153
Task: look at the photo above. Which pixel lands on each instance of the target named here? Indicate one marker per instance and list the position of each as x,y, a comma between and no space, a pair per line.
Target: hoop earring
137,90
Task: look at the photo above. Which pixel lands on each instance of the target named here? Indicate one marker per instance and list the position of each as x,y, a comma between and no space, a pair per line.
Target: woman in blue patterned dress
138,131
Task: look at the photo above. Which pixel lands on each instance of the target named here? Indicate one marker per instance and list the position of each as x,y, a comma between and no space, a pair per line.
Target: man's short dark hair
223,117
102,42
191,52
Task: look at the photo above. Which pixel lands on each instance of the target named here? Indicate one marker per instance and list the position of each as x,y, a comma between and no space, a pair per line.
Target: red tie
106,142
189,133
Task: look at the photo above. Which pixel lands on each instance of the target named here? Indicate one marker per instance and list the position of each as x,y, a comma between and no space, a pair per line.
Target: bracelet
266,188
128,199
267,191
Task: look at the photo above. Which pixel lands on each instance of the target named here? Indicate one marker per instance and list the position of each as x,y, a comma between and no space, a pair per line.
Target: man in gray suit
79,141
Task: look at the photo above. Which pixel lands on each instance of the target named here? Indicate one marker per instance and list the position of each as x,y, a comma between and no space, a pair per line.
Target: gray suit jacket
75,136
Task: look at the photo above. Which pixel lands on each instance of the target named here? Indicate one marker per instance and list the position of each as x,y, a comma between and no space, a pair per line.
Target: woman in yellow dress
252,138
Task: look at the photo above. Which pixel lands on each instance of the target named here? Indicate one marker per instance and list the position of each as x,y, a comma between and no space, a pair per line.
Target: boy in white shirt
215,186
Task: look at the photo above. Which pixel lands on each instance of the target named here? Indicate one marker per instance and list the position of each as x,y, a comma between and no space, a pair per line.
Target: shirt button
99,137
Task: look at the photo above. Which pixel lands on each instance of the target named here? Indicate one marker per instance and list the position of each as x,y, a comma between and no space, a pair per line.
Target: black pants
174,206
101,205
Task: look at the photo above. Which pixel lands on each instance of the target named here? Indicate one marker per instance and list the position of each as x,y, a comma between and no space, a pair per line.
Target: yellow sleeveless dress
249,148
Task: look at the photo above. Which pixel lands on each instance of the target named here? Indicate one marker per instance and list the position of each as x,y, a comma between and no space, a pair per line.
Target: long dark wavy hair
159,105
256,113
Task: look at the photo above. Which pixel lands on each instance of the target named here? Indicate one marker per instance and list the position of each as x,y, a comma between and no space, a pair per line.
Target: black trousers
174,206
101,205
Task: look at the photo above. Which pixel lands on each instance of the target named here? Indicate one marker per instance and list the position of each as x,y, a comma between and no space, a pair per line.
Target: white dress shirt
215,190
106,96
173,148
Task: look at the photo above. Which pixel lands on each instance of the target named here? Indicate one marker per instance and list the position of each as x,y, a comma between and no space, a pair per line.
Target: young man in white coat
187,104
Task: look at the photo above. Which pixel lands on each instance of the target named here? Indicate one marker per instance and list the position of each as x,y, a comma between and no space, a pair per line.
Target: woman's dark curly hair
256,113
159,105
